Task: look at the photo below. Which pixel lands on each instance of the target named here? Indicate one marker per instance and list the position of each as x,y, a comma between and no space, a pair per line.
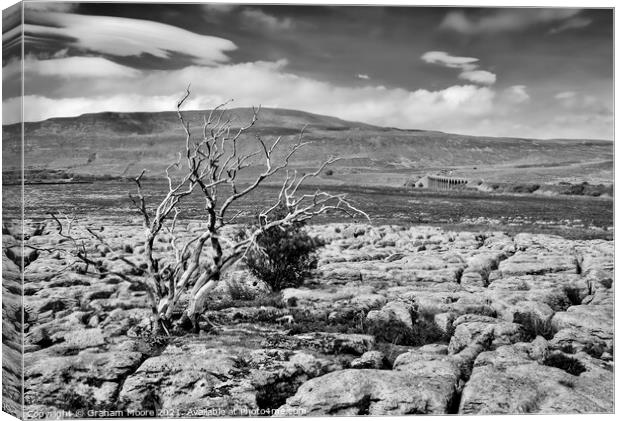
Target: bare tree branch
201,258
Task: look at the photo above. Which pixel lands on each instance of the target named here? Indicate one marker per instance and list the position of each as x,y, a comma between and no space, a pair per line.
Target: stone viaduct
438,182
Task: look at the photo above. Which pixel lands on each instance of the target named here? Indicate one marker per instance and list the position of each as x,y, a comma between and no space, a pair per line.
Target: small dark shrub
594,350
287,255
305,322
525,188
564,362
72,401
395,332
533,326
291,302
597,190
424,331
151,401
606,282
567,383
329,173
577,189
39,229
573,295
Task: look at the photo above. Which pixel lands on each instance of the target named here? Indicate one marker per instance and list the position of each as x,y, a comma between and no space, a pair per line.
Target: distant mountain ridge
117,144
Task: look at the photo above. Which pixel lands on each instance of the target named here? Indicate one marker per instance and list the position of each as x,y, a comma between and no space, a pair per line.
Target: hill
121,144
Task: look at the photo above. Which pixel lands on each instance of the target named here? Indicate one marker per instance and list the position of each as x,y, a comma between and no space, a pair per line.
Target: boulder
507,381
373,392
49,378
538,349
575,340
370,359
599,279
487,332
394,322
19,255
444,322
534,316
196,377
536,263
596,320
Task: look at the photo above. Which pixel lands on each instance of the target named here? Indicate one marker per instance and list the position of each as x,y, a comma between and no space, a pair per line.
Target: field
570,216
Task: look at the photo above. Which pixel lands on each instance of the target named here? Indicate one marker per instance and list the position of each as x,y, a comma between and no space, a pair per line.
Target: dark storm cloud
372,62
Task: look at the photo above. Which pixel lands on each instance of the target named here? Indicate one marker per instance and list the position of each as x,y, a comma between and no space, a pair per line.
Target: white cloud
61,53
583,105
445,59
503,20
467,109
40,108
466,64
516,94
363,76
130,37
269,84
568,98
86,67
482,77
12,110
565,95
259,18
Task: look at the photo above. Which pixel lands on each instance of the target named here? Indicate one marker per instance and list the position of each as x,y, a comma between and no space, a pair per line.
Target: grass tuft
566,363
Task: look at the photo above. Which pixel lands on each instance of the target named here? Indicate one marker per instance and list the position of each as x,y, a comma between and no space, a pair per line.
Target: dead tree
209,165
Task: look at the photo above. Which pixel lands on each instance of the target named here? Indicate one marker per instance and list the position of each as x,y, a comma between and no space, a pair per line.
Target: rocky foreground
397,320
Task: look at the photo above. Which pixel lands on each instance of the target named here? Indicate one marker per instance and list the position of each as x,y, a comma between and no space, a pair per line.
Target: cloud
482,77
574,23
38,107
125,37
363,76
266,83
12,110
567,99
516,94
461,108
466,64
565,95
445,59
503,20
583,104
256,17
71,67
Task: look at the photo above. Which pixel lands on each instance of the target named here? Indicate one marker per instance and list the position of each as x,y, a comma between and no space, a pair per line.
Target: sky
529,72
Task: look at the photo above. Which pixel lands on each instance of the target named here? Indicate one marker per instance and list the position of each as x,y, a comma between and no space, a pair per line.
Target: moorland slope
121,144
